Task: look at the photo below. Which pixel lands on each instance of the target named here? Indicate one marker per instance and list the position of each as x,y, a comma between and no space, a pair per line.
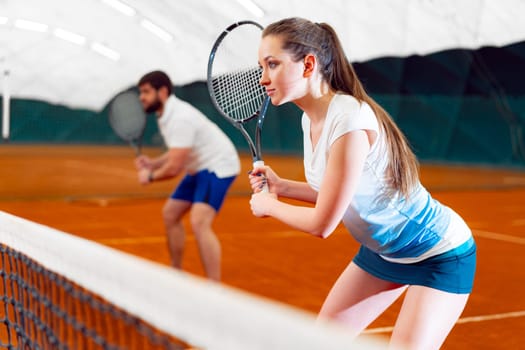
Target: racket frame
134,142
255,147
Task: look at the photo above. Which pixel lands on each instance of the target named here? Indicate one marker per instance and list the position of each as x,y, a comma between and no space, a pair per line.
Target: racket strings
238,93
126,116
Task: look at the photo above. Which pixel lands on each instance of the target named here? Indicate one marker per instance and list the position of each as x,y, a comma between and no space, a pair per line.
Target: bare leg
426,318
172,214
358,298
202,216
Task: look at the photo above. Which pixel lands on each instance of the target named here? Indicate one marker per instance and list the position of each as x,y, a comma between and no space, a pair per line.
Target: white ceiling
45,67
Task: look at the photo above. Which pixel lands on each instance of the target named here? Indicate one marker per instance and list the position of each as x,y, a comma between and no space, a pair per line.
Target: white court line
286,234
162,239
470,319
519,222
513,180
104,170
498,237
131,240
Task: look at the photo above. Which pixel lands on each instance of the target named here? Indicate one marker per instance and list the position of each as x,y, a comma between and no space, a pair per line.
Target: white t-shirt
184,126
399,230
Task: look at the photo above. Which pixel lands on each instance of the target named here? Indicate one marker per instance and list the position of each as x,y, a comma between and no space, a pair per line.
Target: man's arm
169,165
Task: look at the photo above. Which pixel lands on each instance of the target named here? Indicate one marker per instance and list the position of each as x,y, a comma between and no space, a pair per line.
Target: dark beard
155,106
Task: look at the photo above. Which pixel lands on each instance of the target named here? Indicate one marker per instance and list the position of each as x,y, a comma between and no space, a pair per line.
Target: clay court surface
92,192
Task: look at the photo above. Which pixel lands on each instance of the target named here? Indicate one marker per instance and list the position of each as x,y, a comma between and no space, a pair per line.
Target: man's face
149,97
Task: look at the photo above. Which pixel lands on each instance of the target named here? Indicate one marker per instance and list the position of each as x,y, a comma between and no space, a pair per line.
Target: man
207,157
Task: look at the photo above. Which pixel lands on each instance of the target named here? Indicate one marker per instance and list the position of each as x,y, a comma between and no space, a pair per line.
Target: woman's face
282,78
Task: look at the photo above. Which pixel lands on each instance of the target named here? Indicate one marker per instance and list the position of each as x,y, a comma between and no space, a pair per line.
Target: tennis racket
233,82
128,119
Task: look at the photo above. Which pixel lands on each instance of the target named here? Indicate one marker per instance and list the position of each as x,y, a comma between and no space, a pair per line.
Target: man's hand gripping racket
233,82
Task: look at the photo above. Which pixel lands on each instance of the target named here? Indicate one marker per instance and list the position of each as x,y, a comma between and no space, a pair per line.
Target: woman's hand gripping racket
233,82
128,119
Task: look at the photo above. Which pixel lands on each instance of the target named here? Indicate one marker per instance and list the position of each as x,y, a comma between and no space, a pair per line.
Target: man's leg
202,216
172,214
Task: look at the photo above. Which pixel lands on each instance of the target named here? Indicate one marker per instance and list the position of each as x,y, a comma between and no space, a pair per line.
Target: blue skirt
451,271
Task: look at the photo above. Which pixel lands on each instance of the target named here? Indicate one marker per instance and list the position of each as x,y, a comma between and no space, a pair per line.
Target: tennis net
60,291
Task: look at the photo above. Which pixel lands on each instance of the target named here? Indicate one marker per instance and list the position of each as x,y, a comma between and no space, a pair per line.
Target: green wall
439,128
454,106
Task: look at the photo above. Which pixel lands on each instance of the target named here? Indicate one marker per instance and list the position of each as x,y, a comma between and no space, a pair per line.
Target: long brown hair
302,37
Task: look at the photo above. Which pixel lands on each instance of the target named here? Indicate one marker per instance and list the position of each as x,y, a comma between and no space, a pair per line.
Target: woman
360,169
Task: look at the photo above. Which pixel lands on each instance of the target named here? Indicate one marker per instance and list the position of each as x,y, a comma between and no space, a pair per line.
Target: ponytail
301,37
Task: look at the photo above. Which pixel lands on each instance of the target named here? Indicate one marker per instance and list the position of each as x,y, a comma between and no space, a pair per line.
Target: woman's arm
343,171
297,190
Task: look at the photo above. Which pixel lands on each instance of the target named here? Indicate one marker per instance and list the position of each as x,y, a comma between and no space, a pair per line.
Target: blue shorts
203,187
451,271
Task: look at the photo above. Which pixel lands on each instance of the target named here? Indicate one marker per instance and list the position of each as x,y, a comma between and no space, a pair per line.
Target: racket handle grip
260,164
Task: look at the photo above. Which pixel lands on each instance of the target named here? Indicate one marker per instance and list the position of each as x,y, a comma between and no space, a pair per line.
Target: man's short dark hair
157,79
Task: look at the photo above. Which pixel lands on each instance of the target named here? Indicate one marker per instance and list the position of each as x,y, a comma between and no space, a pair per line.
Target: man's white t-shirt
184,126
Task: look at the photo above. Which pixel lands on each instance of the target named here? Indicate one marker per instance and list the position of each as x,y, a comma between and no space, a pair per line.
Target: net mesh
63,292
43,310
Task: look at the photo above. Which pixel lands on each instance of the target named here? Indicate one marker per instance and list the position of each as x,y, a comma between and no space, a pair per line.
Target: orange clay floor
92,192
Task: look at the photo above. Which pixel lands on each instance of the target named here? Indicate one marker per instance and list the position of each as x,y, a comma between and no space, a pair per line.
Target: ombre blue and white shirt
403,231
